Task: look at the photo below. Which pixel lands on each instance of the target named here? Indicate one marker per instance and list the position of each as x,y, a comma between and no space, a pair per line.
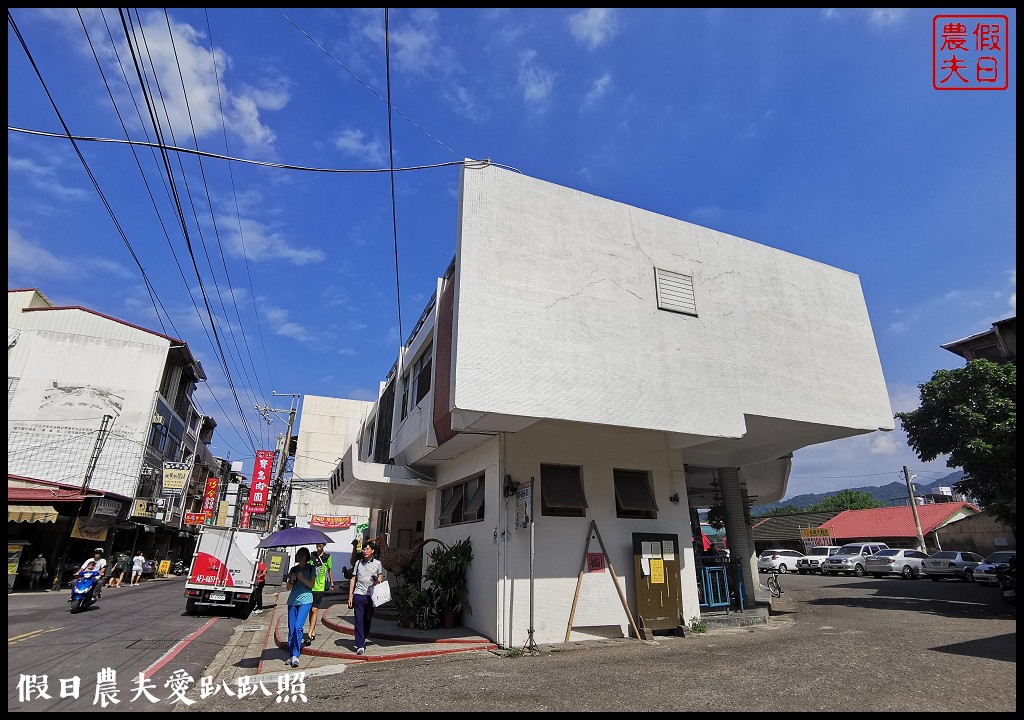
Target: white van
815,558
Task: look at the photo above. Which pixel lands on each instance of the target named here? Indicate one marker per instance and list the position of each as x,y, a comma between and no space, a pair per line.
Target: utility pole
97,448
913,507
277,483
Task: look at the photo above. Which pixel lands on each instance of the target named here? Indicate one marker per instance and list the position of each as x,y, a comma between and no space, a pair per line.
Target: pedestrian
138,562
321,562
261,580
37,571
300,600
117,574
367,572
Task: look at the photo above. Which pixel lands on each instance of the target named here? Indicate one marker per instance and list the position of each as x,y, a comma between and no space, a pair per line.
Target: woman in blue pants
300,600
367,572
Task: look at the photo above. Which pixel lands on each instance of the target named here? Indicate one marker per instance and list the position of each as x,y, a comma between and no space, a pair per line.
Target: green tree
846,500
970,413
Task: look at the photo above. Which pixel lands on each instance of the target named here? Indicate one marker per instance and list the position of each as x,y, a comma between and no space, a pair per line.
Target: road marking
30,635
170,654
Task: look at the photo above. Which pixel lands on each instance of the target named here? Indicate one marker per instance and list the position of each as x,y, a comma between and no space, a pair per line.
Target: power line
391,156
471,164
388,101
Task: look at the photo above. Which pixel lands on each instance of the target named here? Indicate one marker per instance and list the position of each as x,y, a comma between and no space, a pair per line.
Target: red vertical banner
244,521
210,496
259,490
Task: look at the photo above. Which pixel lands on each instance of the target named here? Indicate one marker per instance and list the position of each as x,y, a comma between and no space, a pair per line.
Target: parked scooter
178,568
1006,575
83,591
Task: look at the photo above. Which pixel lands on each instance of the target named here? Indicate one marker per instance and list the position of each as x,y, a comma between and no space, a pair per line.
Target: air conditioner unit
158,419
160,503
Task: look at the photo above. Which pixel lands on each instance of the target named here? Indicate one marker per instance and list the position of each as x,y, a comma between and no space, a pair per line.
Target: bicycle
773,583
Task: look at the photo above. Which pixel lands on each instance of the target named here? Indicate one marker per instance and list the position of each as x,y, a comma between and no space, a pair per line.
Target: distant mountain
895,493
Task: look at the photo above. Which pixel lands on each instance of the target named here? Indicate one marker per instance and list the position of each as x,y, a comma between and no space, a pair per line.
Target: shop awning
31,513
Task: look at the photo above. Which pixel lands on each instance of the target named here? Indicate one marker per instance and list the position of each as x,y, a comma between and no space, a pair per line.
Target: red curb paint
170,654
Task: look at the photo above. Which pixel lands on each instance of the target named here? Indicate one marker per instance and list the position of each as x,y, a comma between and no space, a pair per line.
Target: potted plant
446,580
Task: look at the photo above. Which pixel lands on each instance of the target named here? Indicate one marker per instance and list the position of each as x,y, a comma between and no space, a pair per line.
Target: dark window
561,491
462,502
422,373
405,396
633,497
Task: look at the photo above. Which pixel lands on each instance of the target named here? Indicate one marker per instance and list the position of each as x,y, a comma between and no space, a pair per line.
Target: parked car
778,559
952,564
895,561
851,558
985,573
815,558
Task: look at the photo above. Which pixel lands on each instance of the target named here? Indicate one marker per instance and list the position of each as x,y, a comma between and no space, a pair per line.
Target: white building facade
68,368
627,366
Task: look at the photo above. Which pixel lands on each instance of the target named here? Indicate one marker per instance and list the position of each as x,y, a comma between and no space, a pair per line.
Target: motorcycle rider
100,567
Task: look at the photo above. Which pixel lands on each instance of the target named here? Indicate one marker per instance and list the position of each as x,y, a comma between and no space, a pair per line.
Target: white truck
223,570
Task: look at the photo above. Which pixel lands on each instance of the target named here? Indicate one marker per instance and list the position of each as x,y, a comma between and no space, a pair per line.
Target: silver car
952,564
985,574
895,561
850,558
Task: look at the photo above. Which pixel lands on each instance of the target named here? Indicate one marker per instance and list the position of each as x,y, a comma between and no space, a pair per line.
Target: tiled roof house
895,525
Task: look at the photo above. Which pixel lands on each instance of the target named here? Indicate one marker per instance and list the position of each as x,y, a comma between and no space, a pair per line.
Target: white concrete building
68,368
327,427
630,366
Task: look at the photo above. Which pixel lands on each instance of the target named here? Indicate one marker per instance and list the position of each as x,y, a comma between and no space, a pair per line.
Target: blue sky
817,132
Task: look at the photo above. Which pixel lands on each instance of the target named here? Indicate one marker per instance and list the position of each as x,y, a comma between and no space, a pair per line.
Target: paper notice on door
645,566
668,549
646,549
657,571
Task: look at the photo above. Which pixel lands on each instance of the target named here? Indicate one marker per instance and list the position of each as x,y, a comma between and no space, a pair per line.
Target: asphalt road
836,644
130,630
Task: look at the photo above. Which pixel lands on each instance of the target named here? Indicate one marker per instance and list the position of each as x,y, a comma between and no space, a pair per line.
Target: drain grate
152,644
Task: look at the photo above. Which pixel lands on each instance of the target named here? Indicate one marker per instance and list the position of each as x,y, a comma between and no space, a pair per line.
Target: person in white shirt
137,564
100,566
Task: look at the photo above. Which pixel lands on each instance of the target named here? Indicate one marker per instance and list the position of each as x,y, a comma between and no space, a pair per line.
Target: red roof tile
893,521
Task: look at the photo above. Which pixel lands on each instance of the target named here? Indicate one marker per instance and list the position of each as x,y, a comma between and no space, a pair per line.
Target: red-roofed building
895,525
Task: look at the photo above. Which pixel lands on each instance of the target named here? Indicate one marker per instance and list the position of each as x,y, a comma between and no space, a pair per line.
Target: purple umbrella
294,536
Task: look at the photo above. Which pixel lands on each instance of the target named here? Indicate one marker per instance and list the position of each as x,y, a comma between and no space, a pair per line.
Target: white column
737,532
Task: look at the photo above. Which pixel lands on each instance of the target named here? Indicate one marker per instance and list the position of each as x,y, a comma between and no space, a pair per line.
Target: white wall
557,318
327,428
73,367
499,578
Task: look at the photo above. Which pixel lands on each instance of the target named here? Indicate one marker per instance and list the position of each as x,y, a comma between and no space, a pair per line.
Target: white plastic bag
381,593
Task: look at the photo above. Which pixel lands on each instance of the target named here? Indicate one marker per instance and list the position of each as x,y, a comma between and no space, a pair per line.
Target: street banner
262,472
331,522
195,518
175,476
210,496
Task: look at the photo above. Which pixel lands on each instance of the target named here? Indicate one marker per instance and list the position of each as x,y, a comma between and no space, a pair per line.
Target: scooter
178,568
83,591
1006,575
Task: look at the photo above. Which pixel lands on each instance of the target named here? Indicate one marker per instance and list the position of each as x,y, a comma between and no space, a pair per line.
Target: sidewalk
260,645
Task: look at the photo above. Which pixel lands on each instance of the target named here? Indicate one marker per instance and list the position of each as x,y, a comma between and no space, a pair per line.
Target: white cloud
259,242
594,26
31,260
43,178
535,80
354,143
598,90
188,61
280,324
25,256
883,18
